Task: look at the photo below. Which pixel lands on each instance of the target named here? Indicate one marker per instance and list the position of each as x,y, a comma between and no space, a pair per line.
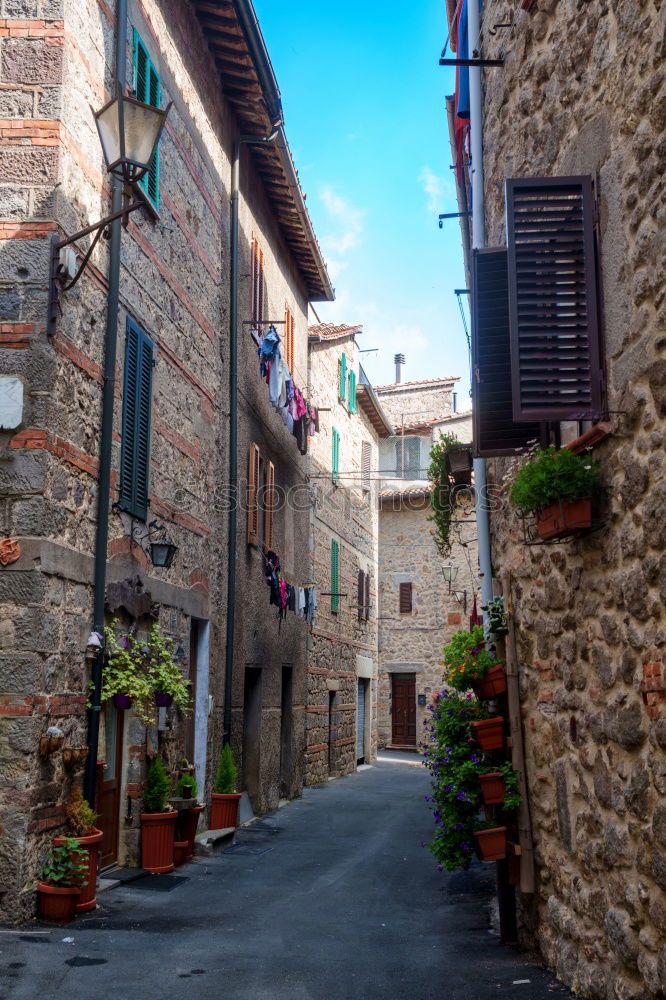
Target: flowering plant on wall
124,672
466,659
164,674
552,474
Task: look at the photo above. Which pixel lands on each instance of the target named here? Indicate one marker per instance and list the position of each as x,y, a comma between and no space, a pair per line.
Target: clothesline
299,416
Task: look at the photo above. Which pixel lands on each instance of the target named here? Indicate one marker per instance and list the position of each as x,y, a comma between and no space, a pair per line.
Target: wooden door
403,727
108,793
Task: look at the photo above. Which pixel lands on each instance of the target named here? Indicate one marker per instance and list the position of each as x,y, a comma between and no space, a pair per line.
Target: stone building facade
582,93
342,671
418,610
55,58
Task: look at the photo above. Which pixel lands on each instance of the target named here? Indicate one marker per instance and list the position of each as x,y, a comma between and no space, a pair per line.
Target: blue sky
363,97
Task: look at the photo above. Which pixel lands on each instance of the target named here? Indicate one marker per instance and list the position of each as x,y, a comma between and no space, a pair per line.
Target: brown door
108,795
403,702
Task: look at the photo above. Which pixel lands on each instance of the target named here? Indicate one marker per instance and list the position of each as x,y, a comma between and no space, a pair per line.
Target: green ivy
163,672
552,474
442,492
496,615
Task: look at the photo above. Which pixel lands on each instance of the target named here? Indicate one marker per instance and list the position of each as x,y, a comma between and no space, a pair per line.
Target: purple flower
448,788
465,846
427,798
462,797
440,868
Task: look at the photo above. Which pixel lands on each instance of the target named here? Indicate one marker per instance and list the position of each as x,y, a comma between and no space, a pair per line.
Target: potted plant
557,486
124,678
168,684
491,841
496,615
81,821
489,733
500,787
470,665
225,798
188,819
157,821
63,874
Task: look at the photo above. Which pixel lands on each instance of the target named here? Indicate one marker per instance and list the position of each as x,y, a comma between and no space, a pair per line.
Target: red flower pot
489,733
188,821
224,810
180,855
87,899
493,788
492,843
57,903
157,837
122,701
564,517
491,684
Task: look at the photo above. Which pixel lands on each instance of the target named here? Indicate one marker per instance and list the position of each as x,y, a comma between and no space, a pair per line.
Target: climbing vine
442,494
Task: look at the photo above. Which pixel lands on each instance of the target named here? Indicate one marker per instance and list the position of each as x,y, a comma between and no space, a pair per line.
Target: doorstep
213,841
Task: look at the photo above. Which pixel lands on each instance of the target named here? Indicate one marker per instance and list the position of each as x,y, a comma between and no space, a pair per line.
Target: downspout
478,241
106,441
233,426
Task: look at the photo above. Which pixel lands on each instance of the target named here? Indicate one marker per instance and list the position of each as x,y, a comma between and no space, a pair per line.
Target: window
289,326
363,601
268,500
137,398
405,598
253,485
261,496
343,377
335,576
335,456
257,282
408,458
148,89
367,596
352,392
366,459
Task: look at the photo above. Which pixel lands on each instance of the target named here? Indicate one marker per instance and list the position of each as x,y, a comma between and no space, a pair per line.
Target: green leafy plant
512,798
227,773
163,672
187,781
552,474
66,866
80,816
157,787
124,672
466,659
442,493
496,614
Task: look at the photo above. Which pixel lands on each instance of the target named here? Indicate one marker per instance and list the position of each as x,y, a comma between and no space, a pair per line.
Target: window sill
595,435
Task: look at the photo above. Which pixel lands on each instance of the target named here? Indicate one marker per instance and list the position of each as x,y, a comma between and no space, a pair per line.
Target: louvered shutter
335,457
405,598
352,392
136,420
253,495
343,377
366,457
148,89
495,431
367,596
335,573
360,595
269,505
555,335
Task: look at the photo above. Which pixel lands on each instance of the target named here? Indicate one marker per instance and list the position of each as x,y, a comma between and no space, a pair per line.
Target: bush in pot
225,798
557,486
501,787
157,821
470,665
81,821
63,874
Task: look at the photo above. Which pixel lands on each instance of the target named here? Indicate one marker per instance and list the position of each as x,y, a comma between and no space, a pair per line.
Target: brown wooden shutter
360,594
495,431
260,284
405,598
253,495
367,596
555,335
269,505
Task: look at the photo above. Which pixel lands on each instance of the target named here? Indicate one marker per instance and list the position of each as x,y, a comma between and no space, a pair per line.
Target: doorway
403,710
108,795
252,733
361,721
196,724
286,733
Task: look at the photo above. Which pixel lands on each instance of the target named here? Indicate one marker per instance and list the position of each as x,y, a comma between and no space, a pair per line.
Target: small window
335,575
289,327
253,484
367,596
335,456
408,458
352,392
257,283
148,89
137,402
405,598
360,602
366,459
269,504
343,377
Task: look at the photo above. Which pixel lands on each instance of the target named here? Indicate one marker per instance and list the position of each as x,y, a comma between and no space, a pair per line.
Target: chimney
399,362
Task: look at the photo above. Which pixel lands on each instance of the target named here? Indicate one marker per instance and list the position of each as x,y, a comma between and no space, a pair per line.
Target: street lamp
162,549
450,573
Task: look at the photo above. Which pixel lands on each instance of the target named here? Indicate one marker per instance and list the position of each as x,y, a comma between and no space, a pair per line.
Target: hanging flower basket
493,788
491,843
564,517
123,702
72,756
489,733
163,699
491,684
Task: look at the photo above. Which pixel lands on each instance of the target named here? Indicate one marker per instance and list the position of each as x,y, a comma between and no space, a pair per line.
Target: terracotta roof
411,385
454,416
248,82
333,331
411,491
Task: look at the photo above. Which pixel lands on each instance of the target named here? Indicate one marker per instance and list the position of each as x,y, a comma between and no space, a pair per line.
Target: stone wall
416,401
582,92
341,649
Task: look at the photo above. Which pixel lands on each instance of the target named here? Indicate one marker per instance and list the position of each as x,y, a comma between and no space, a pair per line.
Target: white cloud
347,221
434,186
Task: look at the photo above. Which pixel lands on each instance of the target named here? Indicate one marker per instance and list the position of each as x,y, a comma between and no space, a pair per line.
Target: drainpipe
478,241
233,423
106,442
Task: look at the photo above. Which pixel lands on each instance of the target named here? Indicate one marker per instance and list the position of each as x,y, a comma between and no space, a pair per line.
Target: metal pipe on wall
106,438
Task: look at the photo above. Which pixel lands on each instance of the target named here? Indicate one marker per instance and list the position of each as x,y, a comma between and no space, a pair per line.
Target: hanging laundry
269,343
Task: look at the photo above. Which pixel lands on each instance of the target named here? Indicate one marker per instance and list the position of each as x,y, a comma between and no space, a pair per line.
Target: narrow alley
330,897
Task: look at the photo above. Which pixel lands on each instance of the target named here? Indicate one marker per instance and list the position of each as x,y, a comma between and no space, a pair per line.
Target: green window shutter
335,575
352,392
137,397
335,457
148,89
343,377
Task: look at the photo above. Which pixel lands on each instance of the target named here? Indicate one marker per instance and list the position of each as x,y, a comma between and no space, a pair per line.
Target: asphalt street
330,898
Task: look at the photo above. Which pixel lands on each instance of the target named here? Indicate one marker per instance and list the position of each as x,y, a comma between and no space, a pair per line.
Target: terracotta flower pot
224,810
87,899
564,517
71,756
163,700
180,849
157,837
122,701
489,733
57,903
491,684
189,821
493,788
492,843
